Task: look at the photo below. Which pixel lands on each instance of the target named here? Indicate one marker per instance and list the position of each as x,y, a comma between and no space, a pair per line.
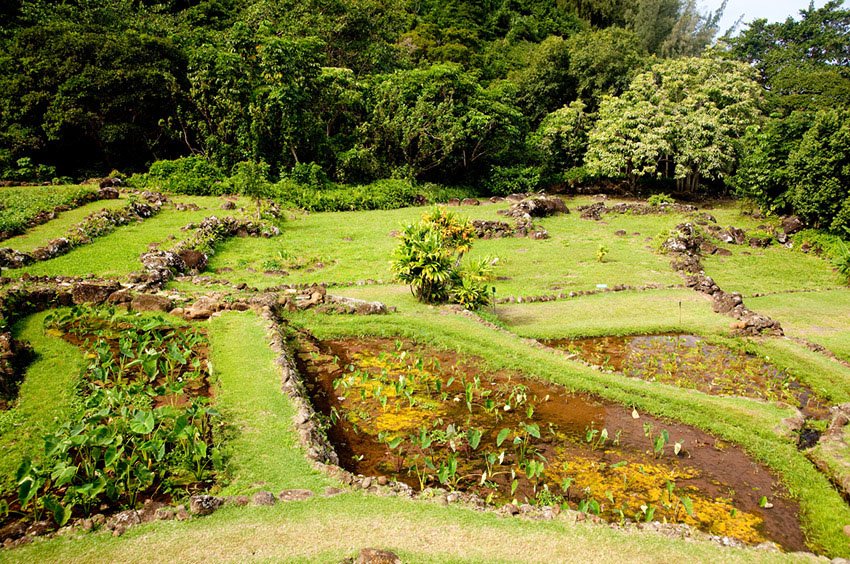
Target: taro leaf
593,507
474,436
503,434
533,430
111,455
61,514
688,505
26,491
63,475
143,475
142,423
23,469
393,444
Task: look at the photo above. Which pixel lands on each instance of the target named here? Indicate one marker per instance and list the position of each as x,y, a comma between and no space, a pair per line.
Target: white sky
772,10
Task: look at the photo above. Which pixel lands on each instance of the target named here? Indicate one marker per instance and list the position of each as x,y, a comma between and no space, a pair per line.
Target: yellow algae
628,485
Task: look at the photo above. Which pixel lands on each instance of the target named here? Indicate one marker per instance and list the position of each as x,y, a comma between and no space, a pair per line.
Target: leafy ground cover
142,427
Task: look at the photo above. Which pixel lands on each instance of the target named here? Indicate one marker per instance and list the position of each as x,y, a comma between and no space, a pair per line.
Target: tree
544,82
803,64
561,138
603,62
251,179
438,121
682,119
819,173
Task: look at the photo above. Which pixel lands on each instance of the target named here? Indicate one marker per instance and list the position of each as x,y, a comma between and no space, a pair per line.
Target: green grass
265,453
774,269
45,400
330,529
820,317
39,236
117,254
617,313
19,205
352,246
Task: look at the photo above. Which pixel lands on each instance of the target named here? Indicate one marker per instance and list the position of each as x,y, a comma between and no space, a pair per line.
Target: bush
380,195
26,171
658,199
195,176
310,175
428,258
505,180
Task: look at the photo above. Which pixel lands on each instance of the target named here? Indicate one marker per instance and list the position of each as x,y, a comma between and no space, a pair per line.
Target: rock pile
685,245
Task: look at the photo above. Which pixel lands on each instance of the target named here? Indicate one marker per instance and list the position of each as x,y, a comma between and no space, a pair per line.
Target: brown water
689,361
429,418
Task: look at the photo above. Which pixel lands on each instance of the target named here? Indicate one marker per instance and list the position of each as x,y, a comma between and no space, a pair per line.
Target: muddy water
374,430
691,362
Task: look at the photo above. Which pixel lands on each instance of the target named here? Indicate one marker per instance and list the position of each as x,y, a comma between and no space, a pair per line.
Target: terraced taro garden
644,382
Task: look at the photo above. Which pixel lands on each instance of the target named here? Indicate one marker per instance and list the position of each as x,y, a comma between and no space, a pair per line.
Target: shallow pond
692,362
431,418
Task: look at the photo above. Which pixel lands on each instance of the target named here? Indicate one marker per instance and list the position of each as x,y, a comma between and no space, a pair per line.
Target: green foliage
380,195
504,180
762,175
682,119
803,63
658,199
188,175
251,179
819,173
603,62
121,445
561,138
438,120
428,258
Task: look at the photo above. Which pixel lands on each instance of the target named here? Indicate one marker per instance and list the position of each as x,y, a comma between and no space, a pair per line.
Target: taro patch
435,419
692,362
144,428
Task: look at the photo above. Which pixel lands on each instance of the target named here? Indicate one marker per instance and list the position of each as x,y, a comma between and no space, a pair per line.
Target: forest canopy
498,95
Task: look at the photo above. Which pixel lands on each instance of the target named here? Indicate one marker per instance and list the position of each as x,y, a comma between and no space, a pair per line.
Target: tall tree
681,119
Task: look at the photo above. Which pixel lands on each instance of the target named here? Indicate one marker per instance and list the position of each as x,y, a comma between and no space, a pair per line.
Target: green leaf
500,438
533,430
474,436
142,423
60,513
63,475
688,505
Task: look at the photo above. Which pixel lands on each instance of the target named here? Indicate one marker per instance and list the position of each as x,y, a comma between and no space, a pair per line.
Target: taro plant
122,445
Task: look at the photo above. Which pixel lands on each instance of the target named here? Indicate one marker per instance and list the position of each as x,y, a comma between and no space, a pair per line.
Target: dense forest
496,95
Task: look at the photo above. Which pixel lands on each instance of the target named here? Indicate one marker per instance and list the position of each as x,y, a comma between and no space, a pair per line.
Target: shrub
505,180
195,176
429,256
310,175
659,199
381,195
251,179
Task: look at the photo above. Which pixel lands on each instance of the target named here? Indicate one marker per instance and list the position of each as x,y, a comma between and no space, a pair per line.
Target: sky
772,10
